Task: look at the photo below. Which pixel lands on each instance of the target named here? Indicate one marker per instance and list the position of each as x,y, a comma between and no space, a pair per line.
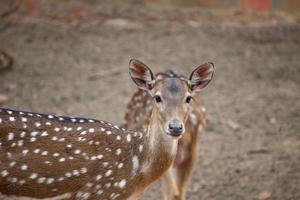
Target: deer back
46,156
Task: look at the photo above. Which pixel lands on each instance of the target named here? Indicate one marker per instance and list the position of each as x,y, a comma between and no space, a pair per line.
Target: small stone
3,98
272,120
233,125
264,195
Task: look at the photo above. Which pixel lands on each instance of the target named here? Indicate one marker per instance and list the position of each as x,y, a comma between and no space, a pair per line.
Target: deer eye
188,99
157,98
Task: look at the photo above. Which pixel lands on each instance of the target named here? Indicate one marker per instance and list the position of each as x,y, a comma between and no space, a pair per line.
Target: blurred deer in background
175,97
55,157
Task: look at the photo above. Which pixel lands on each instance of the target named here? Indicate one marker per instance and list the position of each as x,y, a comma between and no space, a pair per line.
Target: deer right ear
201,76
141,74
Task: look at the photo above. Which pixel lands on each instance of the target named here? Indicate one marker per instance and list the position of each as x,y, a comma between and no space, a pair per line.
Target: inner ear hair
201,76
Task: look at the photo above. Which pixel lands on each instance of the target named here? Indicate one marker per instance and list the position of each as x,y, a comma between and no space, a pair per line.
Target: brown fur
49,166
137,117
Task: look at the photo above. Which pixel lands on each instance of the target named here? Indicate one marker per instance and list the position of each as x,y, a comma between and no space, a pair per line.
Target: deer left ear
201,76
141,74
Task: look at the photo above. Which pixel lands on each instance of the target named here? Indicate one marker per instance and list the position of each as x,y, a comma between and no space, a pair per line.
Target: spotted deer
174,90
43,156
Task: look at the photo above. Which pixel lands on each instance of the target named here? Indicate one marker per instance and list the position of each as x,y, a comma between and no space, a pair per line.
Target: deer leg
184,164
169,185
183,175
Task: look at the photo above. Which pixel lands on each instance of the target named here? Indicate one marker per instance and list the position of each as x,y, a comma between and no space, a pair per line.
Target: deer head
171,96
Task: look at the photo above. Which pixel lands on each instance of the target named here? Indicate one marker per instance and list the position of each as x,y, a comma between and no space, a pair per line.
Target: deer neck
159,141
161,148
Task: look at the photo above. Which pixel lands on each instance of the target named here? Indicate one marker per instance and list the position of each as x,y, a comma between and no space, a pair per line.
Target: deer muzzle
175,128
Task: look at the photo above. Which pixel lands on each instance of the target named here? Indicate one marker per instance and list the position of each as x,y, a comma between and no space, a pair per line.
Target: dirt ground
71,65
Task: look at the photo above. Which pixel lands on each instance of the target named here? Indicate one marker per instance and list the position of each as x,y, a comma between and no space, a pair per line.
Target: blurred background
71,58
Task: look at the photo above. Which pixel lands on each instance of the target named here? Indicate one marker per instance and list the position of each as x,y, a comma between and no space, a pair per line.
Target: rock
3,98
272,120
264,195
233,125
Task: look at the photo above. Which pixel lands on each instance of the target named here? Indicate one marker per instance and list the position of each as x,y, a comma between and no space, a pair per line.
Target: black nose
175,128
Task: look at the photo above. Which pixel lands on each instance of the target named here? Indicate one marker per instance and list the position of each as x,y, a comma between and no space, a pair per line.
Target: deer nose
175,128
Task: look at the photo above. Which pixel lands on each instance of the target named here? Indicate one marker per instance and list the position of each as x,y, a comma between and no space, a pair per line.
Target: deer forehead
172,89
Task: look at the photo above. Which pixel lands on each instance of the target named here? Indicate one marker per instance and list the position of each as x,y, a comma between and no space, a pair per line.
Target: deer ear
201,76
141,74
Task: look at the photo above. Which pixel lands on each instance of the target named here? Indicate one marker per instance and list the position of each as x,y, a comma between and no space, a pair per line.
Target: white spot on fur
99,192
44,134
98,177
77,151
120,165
135,164
54,138
24,167
20,143
193,119
33,176
83,170
24,119
128,137
75,172
34,134
10,136
91,130
122,183
4,173
140,148
108,132
118,151
41,180
36,151
25,151
48,123
49,180
108,173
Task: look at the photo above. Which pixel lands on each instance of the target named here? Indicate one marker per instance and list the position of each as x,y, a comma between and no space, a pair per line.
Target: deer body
52,157
138,116
44,156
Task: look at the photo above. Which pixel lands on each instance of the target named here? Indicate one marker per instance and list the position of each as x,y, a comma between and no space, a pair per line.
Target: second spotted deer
43,156
177,97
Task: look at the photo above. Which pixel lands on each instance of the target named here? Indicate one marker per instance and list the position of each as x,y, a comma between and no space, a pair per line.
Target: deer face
171,95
